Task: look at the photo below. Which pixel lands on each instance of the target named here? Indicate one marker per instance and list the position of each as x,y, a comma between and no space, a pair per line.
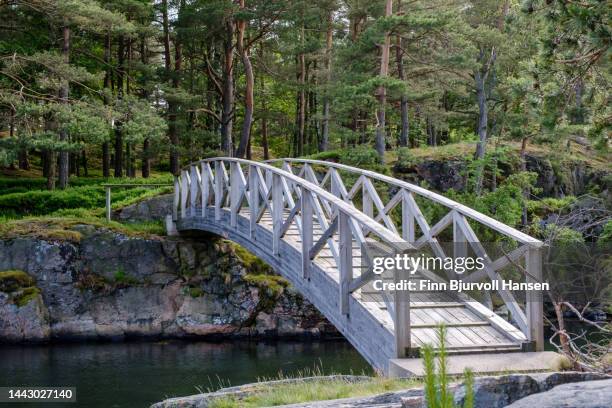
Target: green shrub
360,156
88,196
437,393
405,159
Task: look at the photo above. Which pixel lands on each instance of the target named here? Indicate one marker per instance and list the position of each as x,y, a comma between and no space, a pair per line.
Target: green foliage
606,235
405,159
13,280
253,264
437,393
312,390
20,286
196,292
89,195
123,278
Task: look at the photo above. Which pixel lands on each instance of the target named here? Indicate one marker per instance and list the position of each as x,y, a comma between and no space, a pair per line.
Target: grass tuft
317,390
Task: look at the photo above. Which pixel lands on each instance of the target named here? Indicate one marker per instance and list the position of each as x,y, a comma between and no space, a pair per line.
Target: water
136,374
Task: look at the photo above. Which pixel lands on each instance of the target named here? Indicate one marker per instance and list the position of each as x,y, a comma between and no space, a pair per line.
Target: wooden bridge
310,221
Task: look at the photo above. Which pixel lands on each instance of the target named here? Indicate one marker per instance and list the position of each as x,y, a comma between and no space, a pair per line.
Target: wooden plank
306,204
254,204
346,261
205,187
290,217
535,311
219,183
327,234
277,212
408,231
402,323
379,205
498,264
194,187
184,192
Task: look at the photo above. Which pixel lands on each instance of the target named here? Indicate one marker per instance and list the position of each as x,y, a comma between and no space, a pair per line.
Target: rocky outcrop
440,175
553,179
112,286
589,394
242,391
489,392
154,208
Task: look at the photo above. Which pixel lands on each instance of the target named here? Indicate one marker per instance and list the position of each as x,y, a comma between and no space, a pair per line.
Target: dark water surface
136,374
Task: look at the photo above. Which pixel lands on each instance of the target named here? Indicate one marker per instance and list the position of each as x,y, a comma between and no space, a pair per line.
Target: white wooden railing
315,190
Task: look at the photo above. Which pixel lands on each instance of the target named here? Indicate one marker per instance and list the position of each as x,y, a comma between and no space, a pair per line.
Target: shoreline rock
110,286
489,392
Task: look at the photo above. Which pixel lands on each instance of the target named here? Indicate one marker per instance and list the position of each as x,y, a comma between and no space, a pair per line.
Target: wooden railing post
218,189
368,208
277,212
407,218
108,203
534,298
345,253
254,198
205,187
234,193
193,190
184,192
306,210
401,300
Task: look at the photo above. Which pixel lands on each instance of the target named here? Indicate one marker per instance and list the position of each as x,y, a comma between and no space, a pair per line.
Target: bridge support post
254,196
306,203
534,300
277,212
218,189
407,218
235,195
401,300
205,187
346,260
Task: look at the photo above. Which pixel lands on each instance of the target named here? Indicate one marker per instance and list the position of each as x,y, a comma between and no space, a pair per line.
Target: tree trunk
561,323
118,124
264,115
301,113
49,156
329,37
107,88
145,158
24,161
172,108
227,112
399,56
483,114
146,161
382,92
63,94
483,118
248,92
84,162
523,155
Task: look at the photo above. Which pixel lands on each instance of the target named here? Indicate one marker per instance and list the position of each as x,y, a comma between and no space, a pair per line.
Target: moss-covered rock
113,285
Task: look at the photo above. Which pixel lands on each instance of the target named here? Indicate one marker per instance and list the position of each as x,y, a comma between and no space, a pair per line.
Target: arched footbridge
311,220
